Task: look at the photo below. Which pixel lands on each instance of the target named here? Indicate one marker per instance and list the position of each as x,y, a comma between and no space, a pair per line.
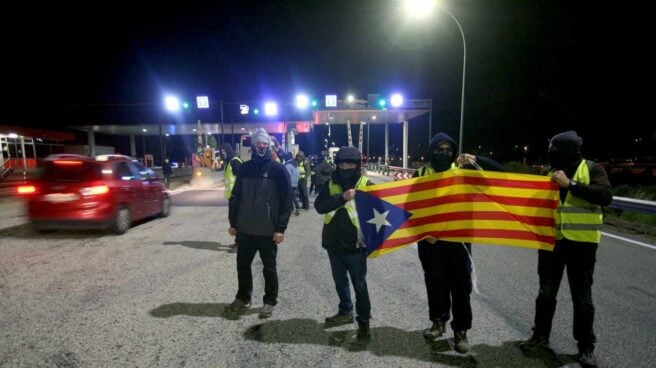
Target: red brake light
97,190
67,162
26,189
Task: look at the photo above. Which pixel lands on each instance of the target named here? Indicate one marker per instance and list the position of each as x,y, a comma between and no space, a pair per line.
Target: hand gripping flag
461,206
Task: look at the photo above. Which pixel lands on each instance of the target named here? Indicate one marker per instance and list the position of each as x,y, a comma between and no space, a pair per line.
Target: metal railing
633,205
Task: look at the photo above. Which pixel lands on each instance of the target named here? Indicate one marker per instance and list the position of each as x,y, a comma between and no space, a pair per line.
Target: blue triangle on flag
378,218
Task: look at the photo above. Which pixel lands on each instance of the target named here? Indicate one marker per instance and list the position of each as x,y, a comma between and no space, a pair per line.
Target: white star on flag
379,219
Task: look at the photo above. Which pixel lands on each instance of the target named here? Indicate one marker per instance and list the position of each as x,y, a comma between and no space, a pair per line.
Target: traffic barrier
633,205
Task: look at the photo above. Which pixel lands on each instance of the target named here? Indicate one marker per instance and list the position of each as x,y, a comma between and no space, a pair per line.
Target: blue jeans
356,266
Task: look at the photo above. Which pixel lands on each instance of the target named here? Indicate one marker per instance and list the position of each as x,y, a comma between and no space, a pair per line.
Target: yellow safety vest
229,178
428,169
577,219
301,169
334,188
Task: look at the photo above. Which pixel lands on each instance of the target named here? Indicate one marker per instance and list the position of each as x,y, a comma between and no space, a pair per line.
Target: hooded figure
229,153
565,150
347,177
261,154
442,150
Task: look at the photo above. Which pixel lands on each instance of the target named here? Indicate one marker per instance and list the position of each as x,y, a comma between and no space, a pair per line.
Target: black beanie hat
567,142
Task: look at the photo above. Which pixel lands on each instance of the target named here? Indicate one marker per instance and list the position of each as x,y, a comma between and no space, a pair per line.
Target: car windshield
71,171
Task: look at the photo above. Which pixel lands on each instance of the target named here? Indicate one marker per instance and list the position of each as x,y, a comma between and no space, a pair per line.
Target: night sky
534,68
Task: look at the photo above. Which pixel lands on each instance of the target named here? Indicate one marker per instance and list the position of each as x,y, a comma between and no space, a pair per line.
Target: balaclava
260,135
565,150
441,160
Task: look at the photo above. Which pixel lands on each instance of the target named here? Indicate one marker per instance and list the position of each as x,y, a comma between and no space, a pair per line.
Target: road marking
630,240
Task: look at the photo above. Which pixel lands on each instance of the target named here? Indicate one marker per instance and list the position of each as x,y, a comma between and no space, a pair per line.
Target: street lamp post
462,92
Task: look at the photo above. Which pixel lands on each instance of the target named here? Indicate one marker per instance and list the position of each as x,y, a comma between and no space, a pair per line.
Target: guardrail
634,205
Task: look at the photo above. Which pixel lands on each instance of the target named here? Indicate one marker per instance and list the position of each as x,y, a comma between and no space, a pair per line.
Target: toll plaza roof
355,113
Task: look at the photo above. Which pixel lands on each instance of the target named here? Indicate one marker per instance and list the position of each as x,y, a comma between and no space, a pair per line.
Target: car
80,192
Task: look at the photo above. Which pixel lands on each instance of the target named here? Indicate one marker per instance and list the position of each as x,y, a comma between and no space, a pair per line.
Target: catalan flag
462,206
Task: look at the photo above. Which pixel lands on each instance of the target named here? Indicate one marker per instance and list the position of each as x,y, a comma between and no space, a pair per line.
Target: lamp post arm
464,64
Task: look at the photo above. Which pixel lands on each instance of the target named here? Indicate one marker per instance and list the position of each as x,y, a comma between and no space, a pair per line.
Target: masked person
259,211
584,190
447,267
294,176
341,238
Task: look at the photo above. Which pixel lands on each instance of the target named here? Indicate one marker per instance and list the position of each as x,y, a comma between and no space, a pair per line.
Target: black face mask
347,174
560,160
441,161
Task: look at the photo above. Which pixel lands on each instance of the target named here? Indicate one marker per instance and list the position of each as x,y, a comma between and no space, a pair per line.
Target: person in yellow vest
447,266
584,190
304,171
232,164
341,237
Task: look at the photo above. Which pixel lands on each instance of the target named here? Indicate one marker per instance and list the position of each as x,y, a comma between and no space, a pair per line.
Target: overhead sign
331,100
243,109
202,102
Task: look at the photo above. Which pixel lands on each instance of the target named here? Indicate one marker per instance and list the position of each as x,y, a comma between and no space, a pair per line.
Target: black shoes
460,341
363,330
587,359
237,305
535,342
435,331
267,311
339,319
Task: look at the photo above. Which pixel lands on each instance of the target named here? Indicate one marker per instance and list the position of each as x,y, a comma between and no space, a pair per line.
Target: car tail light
96,190
26,189
67,162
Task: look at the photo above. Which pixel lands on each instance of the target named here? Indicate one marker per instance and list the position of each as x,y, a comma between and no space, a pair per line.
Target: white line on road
630,240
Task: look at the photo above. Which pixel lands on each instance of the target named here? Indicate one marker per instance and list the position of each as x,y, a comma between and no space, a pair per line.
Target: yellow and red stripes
473,206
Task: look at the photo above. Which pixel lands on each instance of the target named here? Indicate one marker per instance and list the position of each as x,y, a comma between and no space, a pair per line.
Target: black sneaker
339,319
237,305
267,311
534,343
435,331
587,359
460,341
363,330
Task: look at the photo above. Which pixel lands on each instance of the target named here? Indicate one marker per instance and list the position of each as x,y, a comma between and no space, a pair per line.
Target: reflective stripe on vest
576,218
349,205
301,169
229,178
428,169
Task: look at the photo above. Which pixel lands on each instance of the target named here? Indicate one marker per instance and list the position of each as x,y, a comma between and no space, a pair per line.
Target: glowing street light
420,9
270,108
172,103
396,100
302,101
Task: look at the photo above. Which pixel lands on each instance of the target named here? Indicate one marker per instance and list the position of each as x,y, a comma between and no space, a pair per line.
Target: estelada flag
461,206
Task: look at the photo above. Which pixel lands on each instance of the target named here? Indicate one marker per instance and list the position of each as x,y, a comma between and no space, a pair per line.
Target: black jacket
261,201
599,192
339,235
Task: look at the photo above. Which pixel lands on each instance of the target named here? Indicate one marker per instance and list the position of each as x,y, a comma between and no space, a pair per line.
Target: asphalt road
155,297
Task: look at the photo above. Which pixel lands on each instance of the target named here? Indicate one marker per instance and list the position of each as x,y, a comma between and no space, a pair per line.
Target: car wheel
122,221
166,207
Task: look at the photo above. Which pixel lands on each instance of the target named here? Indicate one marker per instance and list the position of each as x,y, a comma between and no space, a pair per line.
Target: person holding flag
447,265
584,190
341,237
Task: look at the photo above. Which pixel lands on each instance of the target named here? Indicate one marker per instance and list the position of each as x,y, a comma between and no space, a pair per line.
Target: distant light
331,100
203,102
350,98
256,111
373,117
172,103
396,100
315,103
167,134
185,105
12,135
270,108
194,129
302,101
243,109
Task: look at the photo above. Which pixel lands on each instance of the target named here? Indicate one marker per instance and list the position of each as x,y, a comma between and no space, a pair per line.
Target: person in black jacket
447,265
340,237
167,171
259,211
584,191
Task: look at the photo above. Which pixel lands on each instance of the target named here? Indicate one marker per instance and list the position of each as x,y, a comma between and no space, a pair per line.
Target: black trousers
303,194
447,273
248,246
579,258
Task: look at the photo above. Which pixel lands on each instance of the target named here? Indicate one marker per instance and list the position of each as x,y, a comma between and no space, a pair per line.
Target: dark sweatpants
248,246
